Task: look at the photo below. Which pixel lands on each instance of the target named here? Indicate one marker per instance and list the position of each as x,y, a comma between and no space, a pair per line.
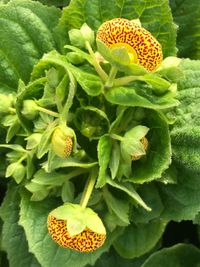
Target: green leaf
69,162
68,190
118,206
186,15
114,160
44,143
13,236
183,255
113,259
104,151
60,3
159,85
139,239
181,201
26,31
140,97
155,16
185,132
129,189
90,83
33,218
150,195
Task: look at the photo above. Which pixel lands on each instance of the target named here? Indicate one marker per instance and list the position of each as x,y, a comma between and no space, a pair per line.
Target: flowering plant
99,139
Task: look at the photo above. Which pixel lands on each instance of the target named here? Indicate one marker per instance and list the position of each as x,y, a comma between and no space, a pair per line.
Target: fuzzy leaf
139,239
186,14
26,31
104,152
183,255
13,236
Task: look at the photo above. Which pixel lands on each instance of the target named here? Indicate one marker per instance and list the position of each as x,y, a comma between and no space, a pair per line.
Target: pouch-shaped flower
142,47
75,227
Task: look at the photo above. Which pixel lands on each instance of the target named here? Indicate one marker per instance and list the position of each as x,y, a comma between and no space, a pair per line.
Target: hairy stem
111,78
89,187
125,80
47,111
95,63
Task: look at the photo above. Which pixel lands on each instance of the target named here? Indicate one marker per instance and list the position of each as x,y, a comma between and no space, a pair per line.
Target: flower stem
116,137
47,111
125,80
95,63
111,77
89,187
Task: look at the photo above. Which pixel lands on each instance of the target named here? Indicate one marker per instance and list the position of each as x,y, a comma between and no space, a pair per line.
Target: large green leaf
25,33
112,259
186,130
181,201
14,239
139,239
186,14
34,221
154,15
182,255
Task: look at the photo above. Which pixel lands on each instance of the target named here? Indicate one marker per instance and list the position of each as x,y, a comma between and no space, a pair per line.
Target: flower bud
76,38
79,37
17,171
62,141
30,109
145,144
33,140
5,103
78,228
87,33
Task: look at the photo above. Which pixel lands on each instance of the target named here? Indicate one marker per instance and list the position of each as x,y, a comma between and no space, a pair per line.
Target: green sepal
131,144
78,218
113,56
17,171
159,85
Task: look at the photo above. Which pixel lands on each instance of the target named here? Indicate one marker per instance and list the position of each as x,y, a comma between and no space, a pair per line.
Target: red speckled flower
142,47
85,239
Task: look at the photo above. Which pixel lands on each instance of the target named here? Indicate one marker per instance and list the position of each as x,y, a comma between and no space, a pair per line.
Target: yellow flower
142,47
85,241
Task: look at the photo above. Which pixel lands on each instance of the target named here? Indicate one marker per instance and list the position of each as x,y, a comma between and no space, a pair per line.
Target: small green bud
87,33
63,141
17,171
169,62
33,140
30,109
5,103
75,58
78,38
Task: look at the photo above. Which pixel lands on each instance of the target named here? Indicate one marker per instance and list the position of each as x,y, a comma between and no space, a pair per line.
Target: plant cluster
99,135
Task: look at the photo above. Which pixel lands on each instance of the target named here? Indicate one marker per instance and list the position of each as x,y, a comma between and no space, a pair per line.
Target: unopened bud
5,103
17,171
30,109
145,144
62,141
